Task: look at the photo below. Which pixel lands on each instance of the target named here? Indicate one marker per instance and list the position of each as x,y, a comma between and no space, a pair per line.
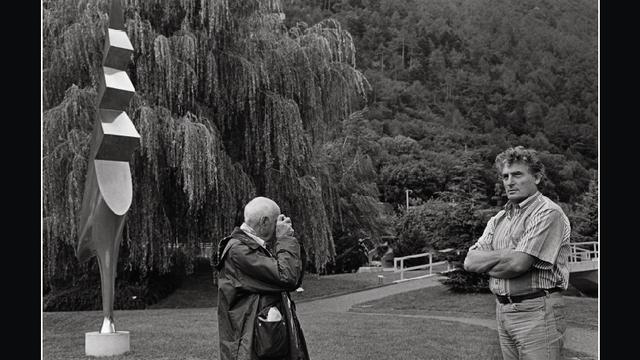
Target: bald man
256,317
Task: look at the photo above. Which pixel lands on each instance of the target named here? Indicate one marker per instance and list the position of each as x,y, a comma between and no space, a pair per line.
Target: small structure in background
379,256
584,263
434,268
352,255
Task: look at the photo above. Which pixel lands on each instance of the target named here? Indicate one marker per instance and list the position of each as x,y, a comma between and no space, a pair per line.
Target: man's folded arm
503,264
511,264
482,261
538,246
481,257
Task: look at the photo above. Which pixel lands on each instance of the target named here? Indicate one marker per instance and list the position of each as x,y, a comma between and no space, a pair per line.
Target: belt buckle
546,292
509,298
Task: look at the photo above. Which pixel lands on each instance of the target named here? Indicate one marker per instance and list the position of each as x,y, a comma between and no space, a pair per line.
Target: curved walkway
577,339
343,303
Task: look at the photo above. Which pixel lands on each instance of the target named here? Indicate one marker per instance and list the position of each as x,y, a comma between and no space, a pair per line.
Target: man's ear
538,178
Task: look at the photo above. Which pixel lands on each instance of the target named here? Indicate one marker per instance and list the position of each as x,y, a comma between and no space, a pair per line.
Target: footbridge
584,263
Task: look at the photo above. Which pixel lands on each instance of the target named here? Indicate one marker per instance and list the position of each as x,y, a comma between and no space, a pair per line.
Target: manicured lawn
327,285
192,334
199,291
155,334
438,300
187,329
360,337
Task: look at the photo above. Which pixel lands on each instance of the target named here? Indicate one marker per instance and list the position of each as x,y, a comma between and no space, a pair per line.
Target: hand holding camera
283,226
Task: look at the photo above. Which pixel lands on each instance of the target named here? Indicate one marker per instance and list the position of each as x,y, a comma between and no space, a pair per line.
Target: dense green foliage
343,105
447,224
456,82
453,83
585,217
460,281
229,104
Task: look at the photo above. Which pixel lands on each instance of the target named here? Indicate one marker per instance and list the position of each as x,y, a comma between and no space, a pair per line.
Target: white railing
206,250
584,256
398,265
584,251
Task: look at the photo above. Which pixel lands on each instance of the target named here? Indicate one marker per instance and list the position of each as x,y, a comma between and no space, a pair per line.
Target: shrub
130,293
202,265
350,255
440,224
461,281
89,297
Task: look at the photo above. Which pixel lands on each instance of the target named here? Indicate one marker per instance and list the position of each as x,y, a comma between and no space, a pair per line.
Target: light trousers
532,329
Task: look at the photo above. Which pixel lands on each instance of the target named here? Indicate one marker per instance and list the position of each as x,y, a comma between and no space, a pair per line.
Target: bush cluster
202,265
461,281
130,293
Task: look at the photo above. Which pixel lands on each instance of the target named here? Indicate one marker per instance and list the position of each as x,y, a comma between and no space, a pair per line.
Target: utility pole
407,191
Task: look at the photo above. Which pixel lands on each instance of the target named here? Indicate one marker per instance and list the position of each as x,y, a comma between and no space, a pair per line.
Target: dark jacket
250,279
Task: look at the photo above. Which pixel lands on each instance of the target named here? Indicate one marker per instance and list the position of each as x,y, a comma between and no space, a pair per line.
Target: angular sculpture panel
117,50
115,136
116,89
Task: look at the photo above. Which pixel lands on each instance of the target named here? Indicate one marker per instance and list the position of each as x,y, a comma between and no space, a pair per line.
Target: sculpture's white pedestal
97,344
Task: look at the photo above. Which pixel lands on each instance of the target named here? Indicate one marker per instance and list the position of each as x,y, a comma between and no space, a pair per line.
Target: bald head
261,214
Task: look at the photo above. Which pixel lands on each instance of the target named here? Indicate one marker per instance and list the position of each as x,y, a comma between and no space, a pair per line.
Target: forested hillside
333,108
453,83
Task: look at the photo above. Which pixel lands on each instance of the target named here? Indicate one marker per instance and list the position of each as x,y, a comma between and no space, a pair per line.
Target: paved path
344,302
577,339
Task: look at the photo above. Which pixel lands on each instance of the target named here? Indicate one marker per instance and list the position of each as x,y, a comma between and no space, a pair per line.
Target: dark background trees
453,83
230,104
338,108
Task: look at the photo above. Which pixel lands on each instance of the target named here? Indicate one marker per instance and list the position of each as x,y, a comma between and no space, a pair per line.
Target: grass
580,312
192,334
439,301
183,326
330,285
354,336
196,291
155,334
199,290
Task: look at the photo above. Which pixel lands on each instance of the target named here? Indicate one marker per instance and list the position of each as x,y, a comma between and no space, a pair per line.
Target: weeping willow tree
229,103
348,175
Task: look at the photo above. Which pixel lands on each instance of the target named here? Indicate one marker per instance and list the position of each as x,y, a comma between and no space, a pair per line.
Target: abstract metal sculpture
108,189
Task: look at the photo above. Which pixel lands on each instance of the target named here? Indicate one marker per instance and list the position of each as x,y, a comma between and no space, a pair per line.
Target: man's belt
508,299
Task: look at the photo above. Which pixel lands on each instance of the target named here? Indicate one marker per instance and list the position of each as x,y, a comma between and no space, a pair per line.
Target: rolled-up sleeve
484,242
542,237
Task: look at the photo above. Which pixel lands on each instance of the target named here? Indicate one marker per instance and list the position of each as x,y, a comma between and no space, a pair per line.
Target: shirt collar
251,233
510,205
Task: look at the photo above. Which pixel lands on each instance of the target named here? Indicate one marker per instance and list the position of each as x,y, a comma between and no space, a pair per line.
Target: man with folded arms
525,250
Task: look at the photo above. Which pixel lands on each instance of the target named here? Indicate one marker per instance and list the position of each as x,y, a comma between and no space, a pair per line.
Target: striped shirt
536,226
